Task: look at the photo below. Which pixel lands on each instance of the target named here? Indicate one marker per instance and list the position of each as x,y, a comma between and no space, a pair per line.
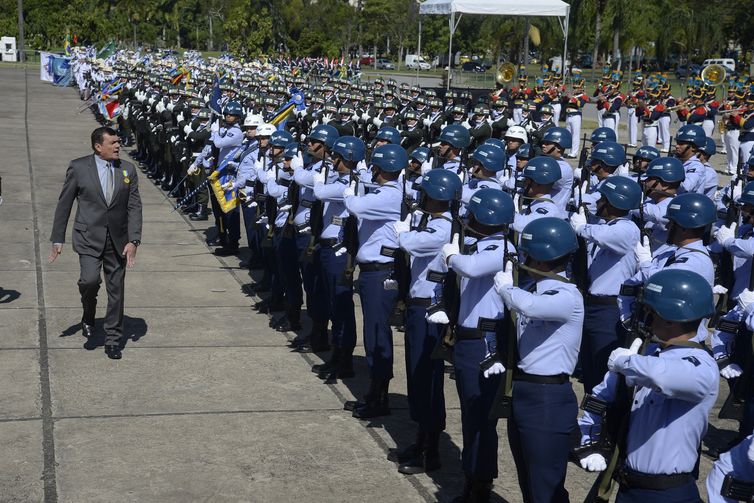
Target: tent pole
565,42
419,49
450,48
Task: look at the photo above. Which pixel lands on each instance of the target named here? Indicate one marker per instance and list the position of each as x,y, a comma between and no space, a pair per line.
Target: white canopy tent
457,8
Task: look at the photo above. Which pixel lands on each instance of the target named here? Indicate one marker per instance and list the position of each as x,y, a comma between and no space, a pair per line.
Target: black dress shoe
226,251
351,405
309,347
113,352
425,462
87,330
214,242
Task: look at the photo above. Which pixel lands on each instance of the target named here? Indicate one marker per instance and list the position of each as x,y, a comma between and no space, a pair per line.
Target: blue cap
543,170
390,158
621,192
491,207
548,238
350,148
691,210
679,295
441,185
492,157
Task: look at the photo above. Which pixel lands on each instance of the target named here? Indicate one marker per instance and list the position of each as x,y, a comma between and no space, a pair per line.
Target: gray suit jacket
94,217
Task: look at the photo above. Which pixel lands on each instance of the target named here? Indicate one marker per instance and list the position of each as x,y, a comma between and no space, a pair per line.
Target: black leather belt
601,300
520,375
419,301
631,479
469,333
305,203
375,266
328,242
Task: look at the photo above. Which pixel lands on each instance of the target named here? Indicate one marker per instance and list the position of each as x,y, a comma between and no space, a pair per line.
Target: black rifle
350,240
725,265
402,267
451,293
316,217
270,211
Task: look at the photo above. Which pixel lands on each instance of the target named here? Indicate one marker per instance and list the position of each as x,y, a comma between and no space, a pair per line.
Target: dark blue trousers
290,271
339,299
376,306
277,279
687,493
426,399
476,395
603,332
250,226
314,286
539,433
232,225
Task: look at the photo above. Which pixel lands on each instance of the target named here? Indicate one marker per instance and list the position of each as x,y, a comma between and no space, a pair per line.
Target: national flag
67,44
215,97
107,51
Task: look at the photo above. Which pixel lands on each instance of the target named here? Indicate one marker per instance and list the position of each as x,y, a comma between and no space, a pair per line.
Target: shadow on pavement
8,296
133,330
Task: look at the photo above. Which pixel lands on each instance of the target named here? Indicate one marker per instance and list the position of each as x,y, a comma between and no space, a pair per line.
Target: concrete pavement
207,403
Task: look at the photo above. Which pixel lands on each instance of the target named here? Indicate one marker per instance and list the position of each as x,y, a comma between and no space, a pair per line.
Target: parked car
486,63
472,66
585,61
685,71
414,61
385,64
366,61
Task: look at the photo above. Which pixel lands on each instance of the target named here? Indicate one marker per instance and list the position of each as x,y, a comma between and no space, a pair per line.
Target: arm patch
692,359
542,211
491,247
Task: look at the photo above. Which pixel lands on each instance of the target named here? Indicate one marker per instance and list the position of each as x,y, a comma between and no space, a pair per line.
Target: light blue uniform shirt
561,192
610,249
304,177
424,245
477,271
227,139
735,462
695,176
656,222
742,249
376,211
335,213
550,322
247,161
675,390
539,208
280,193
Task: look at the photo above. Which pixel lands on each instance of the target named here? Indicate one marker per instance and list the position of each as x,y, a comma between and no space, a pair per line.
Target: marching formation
460,222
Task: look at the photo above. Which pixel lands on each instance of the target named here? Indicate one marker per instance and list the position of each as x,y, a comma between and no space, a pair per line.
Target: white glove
326,118
187,129
738,189
285,207
450,249
402,225
495,369
504,279
262,221
516,201
350,190
578,220
619,353
438,318
355,117
340,251
719,290
725,233
427,122
318,177
232,164
530,128
193,170
594,463
179,117
227,186
377,122
466,124
426,167
511,122
215,127
390,284
173,138
503,176
297,161
746,300
731,371
642,251
577,173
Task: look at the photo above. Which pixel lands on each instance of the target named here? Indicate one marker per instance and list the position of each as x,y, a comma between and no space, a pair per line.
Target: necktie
109,184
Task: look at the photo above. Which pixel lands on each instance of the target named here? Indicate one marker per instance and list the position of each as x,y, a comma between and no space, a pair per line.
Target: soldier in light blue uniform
227,139
675,387
454,139
710,175
550,315
690,217
511,178
640,161
540,176
737,463
739,242
377,211
347,152
320,140
689,140
606,158
486,161
610,249
661,182
555,142
478,366
245,182
422,235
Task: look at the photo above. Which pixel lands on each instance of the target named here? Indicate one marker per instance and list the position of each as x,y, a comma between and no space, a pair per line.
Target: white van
728,63
414,61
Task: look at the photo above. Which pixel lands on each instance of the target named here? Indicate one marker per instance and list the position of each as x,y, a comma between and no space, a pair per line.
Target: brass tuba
505,73
714,75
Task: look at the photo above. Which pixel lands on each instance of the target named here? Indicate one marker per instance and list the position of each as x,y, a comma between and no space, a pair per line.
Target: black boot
378,406
352,405
427,460
410,452
201,213
465,497
317,340
481,491
291,321
342,370
330,364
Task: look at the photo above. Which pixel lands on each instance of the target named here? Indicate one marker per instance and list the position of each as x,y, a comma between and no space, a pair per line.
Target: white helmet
253,120
266,129
517,132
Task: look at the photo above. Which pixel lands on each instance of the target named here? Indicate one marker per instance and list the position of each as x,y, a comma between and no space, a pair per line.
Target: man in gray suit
106,229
